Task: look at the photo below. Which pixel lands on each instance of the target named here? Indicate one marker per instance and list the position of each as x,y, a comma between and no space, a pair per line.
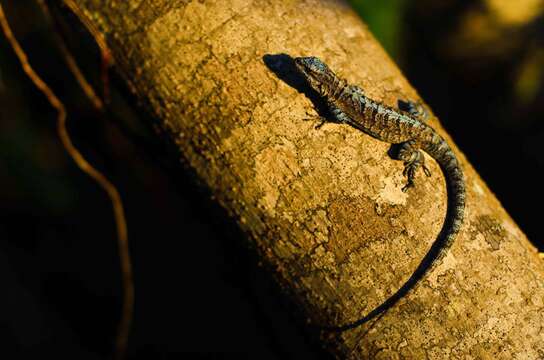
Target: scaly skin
349,105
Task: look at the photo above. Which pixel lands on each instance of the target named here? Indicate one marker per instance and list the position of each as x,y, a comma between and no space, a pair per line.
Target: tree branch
324,207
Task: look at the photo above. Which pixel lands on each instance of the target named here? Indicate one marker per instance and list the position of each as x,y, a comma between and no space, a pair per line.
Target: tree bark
324,207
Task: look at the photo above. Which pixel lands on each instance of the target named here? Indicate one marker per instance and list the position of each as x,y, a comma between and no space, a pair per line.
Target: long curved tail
455,186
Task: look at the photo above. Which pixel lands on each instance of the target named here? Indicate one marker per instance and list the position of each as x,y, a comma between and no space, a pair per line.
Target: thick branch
324,207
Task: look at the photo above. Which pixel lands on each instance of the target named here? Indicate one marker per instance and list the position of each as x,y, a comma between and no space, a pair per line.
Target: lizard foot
413,159
321,120
410,173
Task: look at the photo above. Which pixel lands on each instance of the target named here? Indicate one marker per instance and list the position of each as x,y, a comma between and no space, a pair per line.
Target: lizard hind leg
414,109
413,159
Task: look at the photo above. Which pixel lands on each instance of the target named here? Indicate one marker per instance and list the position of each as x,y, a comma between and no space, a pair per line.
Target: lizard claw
320,124
311,117
426,171
408,185
409,172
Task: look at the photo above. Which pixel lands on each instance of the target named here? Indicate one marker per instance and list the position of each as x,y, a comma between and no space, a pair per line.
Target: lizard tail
455,186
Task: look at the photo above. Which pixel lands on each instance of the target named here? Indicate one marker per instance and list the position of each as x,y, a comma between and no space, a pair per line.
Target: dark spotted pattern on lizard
348,104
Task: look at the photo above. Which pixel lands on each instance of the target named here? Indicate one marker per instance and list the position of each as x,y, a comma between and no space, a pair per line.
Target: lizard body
348,104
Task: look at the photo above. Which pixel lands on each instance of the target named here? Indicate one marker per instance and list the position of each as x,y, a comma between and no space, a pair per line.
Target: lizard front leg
413,159
337,115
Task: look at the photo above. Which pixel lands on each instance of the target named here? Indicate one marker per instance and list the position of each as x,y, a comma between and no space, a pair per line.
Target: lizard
407,129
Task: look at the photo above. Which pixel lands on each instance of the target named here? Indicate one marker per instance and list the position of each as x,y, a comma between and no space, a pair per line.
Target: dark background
201,294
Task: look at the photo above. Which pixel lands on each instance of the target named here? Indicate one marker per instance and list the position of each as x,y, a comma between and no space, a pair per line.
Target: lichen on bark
324,207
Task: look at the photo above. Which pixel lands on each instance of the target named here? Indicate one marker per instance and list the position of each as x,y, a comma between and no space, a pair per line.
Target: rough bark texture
324,208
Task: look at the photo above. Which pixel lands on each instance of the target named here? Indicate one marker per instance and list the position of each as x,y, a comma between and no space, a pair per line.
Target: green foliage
383,18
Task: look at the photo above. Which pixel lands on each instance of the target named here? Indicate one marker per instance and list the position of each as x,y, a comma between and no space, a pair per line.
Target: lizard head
316,72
